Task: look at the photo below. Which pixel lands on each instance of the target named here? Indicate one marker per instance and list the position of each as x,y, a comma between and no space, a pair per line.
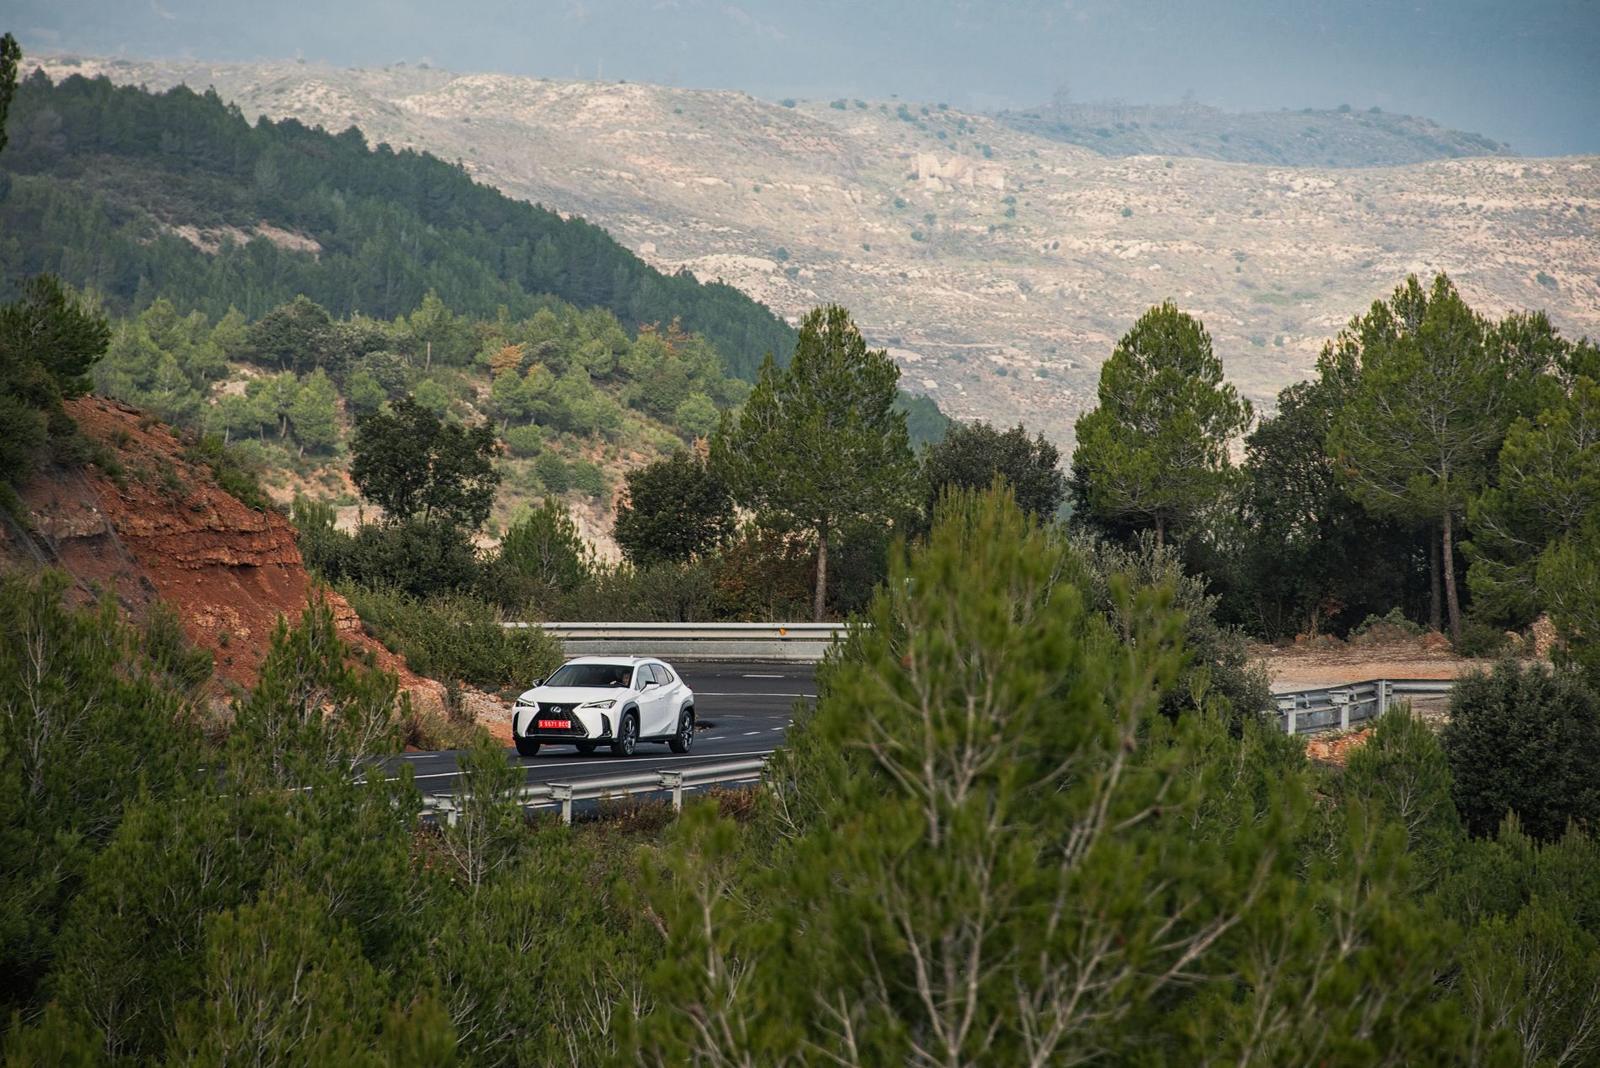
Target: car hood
574,695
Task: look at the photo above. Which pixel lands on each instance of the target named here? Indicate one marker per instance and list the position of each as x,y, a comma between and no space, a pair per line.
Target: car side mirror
536,684
649,684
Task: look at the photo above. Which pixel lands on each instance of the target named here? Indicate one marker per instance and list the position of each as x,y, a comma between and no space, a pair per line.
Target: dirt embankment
1331,662
163,530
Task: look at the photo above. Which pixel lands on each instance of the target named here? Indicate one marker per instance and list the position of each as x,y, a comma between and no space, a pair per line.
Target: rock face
999,266
163,530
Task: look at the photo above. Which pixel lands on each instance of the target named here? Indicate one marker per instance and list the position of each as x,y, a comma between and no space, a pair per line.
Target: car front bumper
588,725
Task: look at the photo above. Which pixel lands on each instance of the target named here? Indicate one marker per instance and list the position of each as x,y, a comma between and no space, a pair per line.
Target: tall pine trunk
819,602
1435,618
1161,532
1452,602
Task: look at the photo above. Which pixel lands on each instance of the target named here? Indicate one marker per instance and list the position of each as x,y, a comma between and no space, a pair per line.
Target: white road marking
714,693
763,676
749,733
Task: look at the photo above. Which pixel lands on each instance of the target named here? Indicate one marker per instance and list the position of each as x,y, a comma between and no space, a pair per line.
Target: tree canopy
101,174
1154,452
973,455
1434,394
820,445
411,464
673,510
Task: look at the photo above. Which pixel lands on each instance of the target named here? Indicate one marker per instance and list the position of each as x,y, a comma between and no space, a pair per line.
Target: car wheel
527,747
683,741
586,748
627,736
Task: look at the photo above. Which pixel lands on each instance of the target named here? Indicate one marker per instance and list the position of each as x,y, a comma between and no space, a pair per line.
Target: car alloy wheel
627,736
683,741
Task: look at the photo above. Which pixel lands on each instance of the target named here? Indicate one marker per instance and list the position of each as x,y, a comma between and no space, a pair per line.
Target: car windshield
608,675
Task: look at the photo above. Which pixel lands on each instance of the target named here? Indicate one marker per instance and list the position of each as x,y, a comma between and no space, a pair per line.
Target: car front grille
548,710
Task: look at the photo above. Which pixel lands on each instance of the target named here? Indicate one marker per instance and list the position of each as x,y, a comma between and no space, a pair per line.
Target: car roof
619,660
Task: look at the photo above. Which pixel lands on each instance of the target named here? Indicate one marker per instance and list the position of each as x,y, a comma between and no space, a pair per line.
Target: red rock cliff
166,531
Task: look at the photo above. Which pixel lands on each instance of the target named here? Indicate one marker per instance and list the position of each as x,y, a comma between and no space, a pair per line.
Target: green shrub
455,637
524,440
1481,640
419,556
552,471
237,471
588,479
1390,627
1524,741
1218,659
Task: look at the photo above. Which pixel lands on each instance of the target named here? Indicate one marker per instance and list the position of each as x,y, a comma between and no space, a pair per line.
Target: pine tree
315,414
1154,452
1418,435
819,446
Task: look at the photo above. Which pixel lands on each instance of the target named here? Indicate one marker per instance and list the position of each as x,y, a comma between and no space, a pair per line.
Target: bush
524,440
1218,659
419,557
237,471
1482,640
454,637
1524,741
1385,628
588,479
661,593
552,471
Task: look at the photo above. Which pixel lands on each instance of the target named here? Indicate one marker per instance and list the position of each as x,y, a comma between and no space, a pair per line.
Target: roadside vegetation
1027,818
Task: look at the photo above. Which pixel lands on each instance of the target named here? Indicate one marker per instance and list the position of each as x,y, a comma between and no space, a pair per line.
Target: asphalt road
743,711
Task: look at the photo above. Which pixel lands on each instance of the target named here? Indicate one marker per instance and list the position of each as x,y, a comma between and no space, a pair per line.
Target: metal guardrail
675,780
794,642
1338,707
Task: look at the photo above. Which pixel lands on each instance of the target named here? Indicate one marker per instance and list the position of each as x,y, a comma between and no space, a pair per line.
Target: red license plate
555,724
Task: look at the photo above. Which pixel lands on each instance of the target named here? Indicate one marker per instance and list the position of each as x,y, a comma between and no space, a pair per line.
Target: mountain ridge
998,267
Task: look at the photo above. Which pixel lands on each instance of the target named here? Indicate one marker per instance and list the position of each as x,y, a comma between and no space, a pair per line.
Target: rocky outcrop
161,529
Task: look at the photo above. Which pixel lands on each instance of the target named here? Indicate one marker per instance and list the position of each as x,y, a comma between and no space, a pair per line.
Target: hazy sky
1526,72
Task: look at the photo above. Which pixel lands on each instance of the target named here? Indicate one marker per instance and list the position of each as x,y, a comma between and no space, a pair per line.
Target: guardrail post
1289,720
1342,699
1383,698
563,792
447,805
673,780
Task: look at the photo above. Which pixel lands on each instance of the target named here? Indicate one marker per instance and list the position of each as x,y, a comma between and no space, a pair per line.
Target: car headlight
597,704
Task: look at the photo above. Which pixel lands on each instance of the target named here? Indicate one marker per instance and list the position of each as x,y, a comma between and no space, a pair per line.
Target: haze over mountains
998,262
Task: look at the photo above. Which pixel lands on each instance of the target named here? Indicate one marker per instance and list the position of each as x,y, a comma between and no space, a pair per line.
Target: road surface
743,711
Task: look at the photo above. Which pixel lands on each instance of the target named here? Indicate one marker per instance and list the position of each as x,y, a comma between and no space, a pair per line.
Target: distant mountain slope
176,194
1335,137
998,266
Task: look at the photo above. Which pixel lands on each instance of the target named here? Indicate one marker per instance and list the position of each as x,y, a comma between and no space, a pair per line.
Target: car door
654,715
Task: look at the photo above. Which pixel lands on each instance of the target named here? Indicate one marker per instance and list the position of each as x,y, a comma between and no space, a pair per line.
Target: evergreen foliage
414,466
986,845
973,455
100,177
1434,394
48,342
1524,741
819,446
674,510
1154,453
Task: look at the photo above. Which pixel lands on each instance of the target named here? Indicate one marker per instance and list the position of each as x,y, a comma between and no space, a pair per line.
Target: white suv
617,700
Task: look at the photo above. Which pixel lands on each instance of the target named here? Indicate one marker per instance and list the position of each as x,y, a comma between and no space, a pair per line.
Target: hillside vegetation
134,195
277,282
1307,137
999,266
